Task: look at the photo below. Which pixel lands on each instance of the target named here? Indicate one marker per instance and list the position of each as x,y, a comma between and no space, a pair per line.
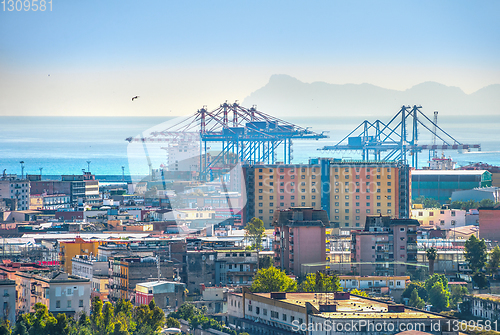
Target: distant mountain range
287,96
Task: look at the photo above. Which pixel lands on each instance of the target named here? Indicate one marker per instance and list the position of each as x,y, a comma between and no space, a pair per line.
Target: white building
371,282
18,189
484,306
86,267
440,218
184,155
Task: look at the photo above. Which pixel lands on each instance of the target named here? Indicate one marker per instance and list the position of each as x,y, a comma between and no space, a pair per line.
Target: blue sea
63,145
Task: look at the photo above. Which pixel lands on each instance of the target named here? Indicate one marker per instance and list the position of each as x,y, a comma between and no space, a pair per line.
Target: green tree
96,317
415,300
272,280
108,312
5,328
186,311
429,283
475,253
173,323
254,230
422,292
486,203
457,293
480,280
494,261
427,202
439,297
359,292
20,328
265,262
431,257
319,282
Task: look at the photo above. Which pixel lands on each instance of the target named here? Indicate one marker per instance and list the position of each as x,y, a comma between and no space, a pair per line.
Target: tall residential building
17,189
347,191
384,247
300,238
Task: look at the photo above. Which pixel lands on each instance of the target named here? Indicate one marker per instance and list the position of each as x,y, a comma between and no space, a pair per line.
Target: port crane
399,138
243,135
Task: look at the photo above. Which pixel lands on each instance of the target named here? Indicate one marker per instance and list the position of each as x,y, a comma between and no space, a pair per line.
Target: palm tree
431,256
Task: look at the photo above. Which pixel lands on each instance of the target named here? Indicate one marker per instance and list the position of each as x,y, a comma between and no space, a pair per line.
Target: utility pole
123,173
40,172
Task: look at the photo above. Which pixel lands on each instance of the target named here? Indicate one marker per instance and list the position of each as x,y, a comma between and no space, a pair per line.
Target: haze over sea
62,145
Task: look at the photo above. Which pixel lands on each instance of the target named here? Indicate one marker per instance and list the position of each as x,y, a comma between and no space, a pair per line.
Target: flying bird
135,97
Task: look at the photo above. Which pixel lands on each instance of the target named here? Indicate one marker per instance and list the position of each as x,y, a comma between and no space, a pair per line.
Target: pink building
489,223
385,246
300,238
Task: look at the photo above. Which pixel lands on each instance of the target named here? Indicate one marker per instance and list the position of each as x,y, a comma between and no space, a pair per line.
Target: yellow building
78,246
348,191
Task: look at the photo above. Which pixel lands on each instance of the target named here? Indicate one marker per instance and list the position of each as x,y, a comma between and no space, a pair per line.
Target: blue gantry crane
244,135
399,138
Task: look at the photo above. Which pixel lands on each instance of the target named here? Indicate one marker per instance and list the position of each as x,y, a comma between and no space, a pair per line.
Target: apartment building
16,189
284,313
8,300
167,295
126,272
299,238
439,218
483,306
348,190
384,247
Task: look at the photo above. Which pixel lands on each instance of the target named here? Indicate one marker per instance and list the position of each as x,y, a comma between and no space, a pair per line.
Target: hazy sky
89,57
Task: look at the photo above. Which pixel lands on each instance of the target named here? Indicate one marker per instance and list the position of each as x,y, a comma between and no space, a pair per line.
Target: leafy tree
20,328
96,317
480,280
429,283
319,282
439,297
415,300
5,328
431,257
457,292
475,253
254,230
359,292
494,261
108,312
272,280
422,292
427,202
265,262
486,203
186,312
173,323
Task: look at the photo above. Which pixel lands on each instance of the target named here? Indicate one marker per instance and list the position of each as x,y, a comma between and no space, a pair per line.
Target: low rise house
482,306
166,294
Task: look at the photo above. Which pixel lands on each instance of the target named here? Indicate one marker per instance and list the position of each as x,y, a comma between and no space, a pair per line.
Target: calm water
63,145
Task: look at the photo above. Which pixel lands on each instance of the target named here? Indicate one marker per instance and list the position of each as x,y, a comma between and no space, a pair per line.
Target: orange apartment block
348,191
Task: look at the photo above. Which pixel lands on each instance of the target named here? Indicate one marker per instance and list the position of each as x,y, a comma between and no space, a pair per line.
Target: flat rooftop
355,307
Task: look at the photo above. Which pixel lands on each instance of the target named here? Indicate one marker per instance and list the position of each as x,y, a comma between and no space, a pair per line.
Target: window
378,204
260,197
271,204
284,317
346,197
58,304
264,311
69,303
367,204
357,210
401,229
257,310
80,303
347,204
249,306
261,211
271,198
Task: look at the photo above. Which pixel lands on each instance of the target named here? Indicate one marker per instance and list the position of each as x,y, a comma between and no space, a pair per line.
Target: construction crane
243,135
392,141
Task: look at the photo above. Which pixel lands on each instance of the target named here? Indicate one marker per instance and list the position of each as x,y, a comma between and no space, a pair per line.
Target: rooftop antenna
88,166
